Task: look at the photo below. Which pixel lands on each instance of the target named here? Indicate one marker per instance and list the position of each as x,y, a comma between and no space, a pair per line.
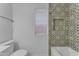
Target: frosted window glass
41,21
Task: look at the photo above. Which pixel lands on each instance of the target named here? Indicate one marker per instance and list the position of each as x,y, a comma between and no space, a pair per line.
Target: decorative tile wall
73,27
70,35
58,13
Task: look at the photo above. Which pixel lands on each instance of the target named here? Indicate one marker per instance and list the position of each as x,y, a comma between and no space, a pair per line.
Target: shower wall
74,26
58,30
70,14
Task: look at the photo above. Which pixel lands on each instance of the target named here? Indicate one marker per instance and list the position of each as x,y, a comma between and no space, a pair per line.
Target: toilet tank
7,48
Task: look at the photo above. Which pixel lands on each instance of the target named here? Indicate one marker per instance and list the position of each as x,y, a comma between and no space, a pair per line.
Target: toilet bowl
7,49
20,52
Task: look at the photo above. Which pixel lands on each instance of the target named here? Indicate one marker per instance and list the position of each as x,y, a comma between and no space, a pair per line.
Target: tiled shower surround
64,25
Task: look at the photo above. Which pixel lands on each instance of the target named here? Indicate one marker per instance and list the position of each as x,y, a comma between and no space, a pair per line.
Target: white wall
24,28
6,27
5,24
6,10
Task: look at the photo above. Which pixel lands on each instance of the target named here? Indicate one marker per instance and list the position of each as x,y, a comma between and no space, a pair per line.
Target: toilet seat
20,53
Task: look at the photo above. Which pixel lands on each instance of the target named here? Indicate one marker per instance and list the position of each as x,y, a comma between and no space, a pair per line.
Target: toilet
20,52
8,50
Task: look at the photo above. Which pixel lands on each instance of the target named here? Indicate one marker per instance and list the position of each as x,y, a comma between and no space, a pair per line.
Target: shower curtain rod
7,18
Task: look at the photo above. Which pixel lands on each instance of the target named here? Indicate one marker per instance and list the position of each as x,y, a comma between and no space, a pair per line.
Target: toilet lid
19,53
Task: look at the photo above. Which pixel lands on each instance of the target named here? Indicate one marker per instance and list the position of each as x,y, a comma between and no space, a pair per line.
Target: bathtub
63,51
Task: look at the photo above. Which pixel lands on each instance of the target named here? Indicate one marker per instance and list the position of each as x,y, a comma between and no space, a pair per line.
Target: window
41,21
